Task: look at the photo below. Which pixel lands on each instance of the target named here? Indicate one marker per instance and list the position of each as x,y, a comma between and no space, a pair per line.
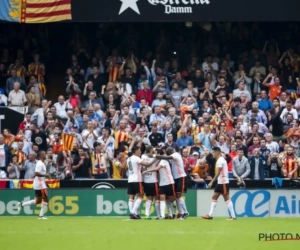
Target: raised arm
281,58
266,79
113,121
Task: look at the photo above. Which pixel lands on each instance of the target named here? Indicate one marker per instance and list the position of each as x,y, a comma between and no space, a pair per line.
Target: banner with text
79,203
184,10
253,203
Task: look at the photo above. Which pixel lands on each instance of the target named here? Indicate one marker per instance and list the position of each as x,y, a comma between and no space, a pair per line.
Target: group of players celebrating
159,179
161,176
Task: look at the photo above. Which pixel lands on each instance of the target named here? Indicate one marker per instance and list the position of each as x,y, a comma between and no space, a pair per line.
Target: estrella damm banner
35,11
76,202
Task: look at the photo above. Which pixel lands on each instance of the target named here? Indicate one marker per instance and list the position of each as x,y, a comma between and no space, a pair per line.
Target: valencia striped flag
29,183
35,11
120,137
68,141
45,11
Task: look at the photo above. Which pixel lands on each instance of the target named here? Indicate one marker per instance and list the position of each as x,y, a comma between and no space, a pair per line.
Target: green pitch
85,233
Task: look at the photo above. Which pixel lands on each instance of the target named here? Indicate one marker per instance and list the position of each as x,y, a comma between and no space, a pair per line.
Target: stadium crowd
231,87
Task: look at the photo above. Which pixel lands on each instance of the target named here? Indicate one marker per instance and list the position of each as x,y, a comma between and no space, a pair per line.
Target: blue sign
256,203
261,203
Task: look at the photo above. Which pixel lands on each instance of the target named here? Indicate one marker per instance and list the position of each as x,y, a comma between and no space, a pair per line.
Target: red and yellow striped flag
120,137
68,141
45,11
29,183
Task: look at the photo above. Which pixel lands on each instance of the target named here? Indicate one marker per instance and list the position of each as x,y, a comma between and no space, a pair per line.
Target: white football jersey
222,165
177,166
39,182
165,173
152,176
134,169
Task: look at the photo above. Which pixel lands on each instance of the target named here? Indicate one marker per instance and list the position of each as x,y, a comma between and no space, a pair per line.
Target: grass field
86,233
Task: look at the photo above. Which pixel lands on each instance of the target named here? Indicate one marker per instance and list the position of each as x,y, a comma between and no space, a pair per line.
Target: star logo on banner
129,4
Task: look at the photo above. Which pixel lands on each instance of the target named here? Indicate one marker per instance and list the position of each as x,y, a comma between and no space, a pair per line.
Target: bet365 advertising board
63,202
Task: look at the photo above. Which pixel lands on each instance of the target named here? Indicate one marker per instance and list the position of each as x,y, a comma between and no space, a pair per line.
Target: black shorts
42,193
168,190
222,189
180,185
151,189
135,188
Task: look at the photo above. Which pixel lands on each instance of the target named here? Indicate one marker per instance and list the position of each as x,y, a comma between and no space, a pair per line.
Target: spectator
155,137
264,103
241,90
82,166
244,78
257,86
37,68
170,142
14,168
10,82
240,166
184,140
157,117
159,101
270,144
289,164
89,136
161,87
5,154
179,80
233,153
254,133
256,166
188,162
33,99
29,166
276,124
119,165
274,165
64,166
205,138
261,117
16,97
51,164
288,110
190,90
88,88
274,89
146,94
38,137
258,68
62,106
240,145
